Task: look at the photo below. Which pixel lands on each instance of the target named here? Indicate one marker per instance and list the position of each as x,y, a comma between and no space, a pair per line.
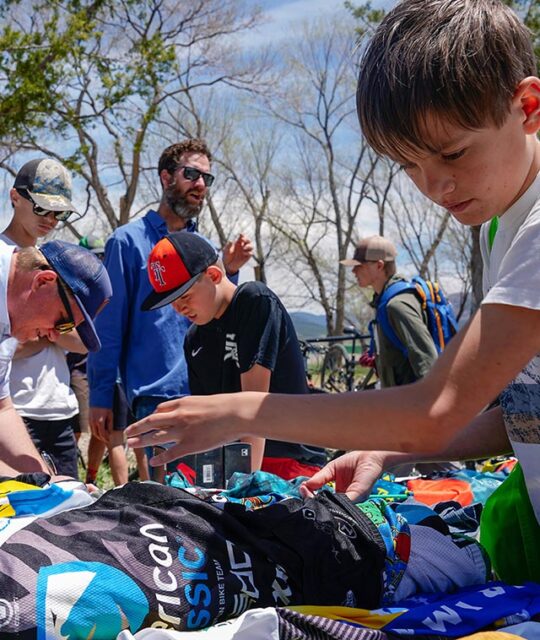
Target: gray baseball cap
372,249
48,183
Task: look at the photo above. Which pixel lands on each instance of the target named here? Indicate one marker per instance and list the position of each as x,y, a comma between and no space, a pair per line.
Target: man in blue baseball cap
43,292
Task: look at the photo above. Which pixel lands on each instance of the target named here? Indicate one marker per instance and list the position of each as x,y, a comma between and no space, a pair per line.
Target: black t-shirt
255,329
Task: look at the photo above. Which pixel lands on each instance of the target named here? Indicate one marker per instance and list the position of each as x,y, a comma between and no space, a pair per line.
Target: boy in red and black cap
242,338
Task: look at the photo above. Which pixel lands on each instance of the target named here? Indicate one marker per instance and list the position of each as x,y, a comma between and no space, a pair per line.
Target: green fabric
493,226
510,532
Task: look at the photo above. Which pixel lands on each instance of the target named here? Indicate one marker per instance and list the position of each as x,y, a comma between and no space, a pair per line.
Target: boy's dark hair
459,59
171,158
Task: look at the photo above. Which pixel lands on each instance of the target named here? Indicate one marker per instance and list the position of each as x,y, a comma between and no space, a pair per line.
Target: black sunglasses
66,325
192,174
69,325
61,216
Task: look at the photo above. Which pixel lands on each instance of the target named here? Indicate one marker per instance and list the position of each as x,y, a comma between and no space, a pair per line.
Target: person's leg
96,451
77,429
143,406
116,447
140,454
142,464
117,458
56,438
37,433
79,385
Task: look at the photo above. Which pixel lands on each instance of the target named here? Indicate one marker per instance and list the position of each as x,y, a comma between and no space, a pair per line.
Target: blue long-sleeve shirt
146,347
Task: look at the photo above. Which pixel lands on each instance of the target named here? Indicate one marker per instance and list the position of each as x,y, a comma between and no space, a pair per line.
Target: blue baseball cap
88,282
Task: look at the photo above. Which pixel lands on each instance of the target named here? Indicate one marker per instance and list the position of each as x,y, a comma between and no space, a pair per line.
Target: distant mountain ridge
308,325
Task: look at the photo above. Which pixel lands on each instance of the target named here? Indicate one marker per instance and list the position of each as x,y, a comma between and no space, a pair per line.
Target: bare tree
115,67
328,174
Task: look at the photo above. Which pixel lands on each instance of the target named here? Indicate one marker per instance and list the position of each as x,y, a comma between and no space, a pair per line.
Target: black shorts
122,416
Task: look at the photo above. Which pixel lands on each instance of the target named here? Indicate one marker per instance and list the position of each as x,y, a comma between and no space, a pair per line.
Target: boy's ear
528,94
14,196
215,273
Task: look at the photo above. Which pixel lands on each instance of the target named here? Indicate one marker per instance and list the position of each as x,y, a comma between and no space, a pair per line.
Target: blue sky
285,16
282,18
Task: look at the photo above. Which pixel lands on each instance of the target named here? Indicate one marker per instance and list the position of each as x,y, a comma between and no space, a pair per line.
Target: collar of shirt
159,224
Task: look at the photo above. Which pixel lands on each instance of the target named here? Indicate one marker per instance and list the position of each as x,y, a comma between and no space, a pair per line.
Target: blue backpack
442,323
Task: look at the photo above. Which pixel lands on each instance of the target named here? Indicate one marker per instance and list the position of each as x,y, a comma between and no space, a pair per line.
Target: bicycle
310,349
340,369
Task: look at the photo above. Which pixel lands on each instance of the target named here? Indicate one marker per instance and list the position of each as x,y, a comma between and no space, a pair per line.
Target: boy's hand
354,473
192,423
236,254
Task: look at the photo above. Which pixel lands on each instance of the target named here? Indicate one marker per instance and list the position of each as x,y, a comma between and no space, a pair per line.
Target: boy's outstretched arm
422,418
356,472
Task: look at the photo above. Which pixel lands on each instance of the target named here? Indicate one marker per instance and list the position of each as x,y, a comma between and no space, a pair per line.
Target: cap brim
52,202
350,263
86,329
157,300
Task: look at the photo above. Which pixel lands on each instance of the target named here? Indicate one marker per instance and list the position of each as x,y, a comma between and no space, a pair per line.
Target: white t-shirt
7,344
40,383
511,276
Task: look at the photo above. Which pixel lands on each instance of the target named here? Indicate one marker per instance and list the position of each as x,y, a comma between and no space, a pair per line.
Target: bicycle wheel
334,369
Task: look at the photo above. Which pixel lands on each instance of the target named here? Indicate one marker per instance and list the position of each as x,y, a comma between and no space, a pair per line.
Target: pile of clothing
148,558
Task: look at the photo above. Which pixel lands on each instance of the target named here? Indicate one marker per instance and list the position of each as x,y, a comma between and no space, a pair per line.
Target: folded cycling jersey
149,555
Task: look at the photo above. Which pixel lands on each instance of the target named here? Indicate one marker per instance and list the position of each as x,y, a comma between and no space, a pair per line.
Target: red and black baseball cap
174,266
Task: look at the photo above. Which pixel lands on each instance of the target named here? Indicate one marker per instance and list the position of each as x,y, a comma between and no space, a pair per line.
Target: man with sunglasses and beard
40,380
44,293
146,349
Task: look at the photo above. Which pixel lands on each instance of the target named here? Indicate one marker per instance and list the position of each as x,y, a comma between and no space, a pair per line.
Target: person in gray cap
44,292
373,265
41,198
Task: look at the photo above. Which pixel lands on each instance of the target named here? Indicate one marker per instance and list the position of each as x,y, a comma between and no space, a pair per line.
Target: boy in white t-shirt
447,88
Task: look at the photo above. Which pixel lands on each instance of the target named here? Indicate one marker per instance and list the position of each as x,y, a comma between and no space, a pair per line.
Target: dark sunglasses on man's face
62,216
67,325
192,174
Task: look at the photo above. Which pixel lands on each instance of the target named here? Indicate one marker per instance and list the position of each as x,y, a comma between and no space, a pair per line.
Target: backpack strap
372,351
382,313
